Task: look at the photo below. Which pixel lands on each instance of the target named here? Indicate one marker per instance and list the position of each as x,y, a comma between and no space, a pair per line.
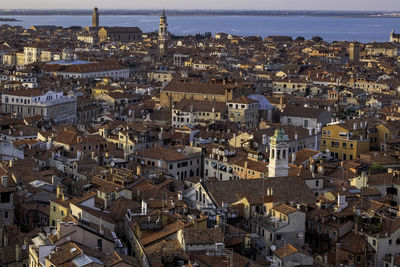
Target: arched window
273,153
284,154
279,154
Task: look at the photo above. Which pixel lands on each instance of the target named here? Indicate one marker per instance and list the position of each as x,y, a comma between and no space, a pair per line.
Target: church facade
394,37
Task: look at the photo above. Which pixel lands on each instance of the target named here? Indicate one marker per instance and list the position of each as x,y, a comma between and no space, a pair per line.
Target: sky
375,5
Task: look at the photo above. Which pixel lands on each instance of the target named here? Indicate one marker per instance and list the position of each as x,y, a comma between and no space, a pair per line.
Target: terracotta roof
304,155
228,191
284,209
203,236
199,105
83,68
162,153
197,88
285,251
243,100
123,29
303,112
27,92
64,253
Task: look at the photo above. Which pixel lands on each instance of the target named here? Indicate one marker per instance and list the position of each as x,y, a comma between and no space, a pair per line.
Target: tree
317,39
300,39
375,167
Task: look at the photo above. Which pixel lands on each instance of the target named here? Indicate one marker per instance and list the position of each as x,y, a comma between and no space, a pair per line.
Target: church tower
278,154
354,53
162,34
95,18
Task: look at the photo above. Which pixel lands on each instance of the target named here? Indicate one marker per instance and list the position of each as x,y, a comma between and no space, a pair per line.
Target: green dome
279,136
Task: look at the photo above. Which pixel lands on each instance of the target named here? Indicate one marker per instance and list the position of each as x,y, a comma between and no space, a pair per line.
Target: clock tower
162,35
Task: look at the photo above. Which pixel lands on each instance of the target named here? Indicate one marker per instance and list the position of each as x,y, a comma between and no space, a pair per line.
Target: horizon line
196,9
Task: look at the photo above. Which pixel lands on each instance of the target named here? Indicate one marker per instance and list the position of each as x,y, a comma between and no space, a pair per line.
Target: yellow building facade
345,143
59,207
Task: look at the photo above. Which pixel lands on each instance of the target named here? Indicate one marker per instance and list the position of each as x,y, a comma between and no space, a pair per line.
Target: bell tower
95,18
162,34
278,154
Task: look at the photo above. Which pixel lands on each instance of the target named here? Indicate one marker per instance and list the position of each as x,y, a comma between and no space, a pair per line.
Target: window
305,123
278,237
5,214
100,244
374,242
5,197
358,259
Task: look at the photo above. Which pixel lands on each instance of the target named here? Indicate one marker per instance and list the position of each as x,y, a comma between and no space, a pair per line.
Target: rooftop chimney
338,254
101,230
321,170
60,192
264,139
18,253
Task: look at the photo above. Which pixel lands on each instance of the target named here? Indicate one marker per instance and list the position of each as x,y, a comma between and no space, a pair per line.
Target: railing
54,101
270,221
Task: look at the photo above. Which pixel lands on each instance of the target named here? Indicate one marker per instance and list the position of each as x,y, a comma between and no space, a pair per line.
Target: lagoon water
330,28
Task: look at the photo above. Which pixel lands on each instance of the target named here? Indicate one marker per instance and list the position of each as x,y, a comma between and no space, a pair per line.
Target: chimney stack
321,170
101,230
18,253
338,254
293,157
60,192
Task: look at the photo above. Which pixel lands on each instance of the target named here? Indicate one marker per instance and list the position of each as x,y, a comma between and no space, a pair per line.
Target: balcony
268,221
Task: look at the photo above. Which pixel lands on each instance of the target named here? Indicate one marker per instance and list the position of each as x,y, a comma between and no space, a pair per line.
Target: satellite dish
273,248
112,164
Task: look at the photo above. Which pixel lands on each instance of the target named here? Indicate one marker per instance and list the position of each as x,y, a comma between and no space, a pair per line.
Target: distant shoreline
109,12
9,19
